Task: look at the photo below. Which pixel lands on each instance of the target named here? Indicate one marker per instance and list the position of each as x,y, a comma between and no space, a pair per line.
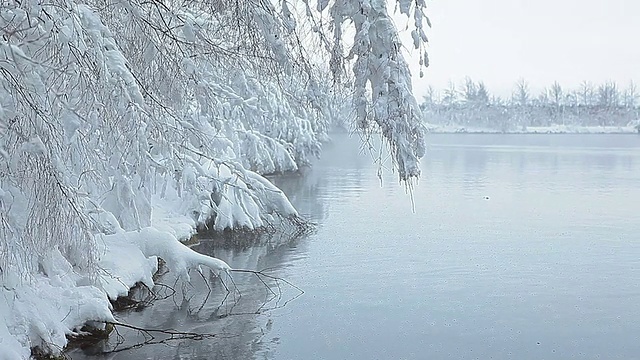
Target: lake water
518,246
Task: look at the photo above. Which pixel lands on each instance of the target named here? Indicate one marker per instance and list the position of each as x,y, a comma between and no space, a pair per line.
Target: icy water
520,247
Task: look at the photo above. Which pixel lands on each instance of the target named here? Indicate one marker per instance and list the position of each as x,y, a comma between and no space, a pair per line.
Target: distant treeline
471,104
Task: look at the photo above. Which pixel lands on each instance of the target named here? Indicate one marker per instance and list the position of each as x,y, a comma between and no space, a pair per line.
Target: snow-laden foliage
125,124
381,78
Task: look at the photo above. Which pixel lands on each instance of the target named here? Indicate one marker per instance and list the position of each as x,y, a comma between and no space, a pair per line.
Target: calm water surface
520,246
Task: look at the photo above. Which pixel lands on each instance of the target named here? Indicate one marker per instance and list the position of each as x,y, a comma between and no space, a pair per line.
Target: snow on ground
553,129
43,309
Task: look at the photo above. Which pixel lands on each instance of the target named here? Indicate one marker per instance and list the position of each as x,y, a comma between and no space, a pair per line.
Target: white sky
542,41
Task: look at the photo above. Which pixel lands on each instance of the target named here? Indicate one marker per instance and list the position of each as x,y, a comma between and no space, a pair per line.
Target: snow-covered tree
552,106
608,95
431,97
469,91
482,94
522,93
587,94
114,113
381,77
630,95
556,94
450,95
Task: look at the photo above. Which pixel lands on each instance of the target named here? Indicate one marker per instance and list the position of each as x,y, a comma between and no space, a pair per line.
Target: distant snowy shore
553,129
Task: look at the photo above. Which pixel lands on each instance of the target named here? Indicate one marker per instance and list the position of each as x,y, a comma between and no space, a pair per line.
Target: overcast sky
542,41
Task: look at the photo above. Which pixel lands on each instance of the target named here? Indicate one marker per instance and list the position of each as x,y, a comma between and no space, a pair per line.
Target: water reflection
240,319
304,188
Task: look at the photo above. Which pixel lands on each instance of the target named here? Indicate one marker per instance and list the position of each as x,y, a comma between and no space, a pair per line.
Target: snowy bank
553,129
42,309
66,286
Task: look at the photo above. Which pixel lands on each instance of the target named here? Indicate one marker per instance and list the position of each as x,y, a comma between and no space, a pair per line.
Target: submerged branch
152,334
260,273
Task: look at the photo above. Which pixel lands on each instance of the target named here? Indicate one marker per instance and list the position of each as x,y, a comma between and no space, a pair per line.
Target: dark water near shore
520,246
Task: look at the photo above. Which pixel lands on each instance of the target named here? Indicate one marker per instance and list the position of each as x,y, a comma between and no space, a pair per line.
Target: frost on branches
126,124
381,78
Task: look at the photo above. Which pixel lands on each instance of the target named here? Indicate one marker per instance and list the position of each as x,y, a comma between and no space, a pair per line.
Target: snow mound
60,300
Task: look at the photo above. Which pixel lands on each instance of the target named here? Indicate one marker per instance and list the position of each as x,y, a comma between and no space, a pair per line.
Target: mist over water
520,246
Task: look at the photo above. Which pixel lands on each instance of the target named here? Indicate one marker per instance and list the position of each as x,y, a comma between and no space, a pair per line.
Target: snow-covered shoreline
42,310
124,128
58,302
554,129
